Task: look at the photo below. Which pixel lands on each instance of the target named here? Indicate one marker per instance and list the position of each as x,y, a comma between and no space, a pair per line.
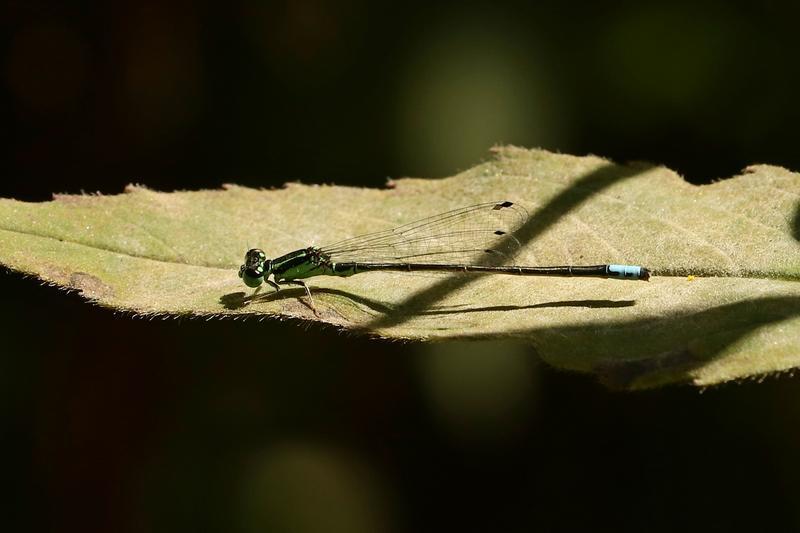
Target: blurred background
114,424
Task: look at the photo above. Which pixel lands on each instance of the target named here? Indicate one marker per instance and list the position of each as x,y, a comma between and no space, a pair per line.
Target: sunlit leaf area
148,145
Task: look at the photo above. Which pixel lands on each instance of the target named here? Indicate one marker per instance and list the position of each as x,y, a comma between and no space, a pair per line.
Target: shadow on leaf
239,300
641,353
539,221
594,304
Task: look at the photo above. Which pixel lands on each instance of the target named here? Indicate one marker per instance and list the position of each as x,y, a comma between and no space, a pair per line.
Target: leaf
723,302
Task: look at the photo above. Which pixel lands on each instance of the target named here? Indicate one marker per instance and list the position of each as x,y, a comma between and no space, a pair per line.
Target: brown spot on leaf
90,286
74,199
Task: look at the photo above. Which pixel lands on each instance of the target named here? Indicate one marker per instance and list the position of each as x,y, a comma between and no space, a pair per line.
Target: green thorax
304,263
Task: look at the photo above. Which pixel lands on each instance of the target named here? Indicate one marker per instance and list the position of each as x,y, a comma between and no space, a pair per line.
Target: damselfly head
255,268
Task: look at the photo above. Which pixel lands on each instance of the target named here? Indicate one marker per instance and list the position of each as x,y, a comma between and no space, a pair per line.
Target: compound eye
254,255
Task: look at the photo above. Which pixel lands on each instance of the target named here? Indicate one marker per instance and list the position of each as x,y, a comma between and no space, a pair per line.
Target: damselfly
476,239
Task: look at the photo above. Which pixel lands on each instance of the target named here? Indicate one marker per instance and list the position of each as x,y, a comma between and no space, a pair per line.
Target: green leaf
723,302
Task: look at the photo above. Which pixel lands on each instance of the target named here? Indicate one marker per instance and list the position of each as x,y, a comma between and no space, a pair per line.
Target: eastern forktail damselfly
476,239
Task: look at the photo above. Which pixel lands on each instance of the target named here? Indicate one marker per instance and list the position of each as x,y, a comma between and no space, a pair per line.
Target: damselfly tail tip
644,275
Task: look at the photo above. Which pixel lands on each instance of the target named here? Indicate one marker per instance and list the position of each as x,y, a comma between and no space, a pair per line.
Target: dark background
115,424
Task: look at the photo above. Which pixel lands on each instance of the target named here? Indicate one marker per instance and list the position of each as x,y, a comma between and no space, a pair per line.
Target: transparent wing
482,232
